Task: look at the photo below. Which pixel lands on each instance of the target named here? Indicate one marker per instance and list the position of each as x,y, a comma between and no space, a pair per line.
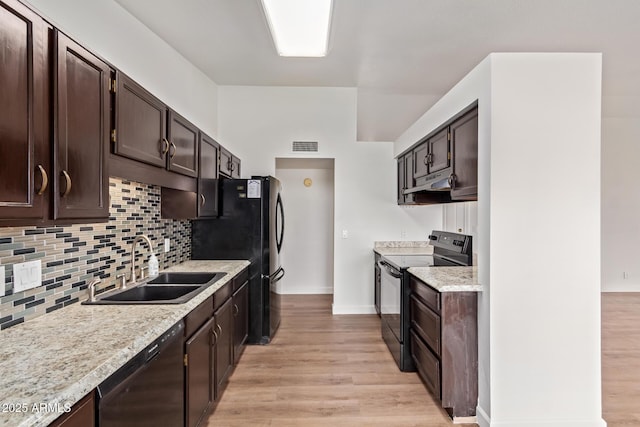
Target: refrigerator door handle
271,276
279,277
280,214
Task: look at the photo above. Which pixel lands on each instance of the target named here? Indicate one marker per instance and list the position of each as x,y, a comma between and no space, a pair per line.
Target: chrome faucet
133,254
92,289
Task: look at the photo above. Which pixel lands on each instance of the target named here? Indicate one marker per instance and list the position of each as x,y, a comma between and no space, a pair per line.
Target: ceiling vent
305,146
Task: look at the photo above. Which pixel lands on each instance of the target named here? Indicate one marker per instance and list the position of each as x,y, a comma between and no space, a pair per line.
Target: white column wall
114,34
539,179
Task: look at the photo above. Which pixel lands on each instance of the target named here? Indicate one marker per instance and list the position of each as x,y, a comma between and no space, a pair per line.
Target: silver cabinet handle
219,328
67,180
165,146
215,337
204,200
235,306
45,181
174,150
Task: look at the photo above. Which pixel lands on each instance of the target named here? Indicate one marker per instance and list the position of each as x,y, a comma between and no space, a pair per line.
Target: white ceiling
402,55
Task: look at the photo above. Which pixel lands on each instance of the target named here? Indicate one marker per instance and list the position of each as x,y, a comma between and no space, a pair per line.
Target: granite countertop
449,279
403,248
58,358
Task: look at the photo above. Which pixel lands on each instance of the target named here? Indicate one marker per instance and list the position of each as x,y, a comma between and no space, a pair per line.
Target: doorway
308,197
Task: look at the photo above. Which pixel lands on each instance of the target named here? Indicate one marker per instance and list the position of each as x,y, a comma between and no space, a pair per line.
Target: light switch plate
167,245
2,291
27,275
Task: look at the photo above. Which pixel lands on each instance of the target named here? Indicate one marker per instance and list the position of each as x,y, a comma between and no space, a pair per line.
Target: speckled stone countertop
58,358
449,279
403,248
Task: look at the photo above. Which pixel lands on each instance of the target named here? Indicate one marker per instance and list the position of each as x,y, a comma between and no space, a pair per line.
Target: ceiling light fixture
299,27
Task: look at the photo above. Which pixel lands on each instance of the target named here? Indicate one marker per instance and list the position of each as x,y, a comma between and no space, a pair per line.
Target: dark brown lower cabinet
444,346
240,321
198,384
82,414
223,347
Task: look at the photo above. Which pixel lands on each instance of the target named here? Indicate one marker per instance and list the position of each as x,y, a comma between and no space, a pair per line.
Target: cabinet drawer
427,364
222,294
240,279
426,323
198,316
426,294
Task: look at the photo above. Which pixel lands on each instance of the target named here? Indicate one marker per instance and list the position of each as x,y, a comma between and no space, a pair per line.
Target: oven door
390,298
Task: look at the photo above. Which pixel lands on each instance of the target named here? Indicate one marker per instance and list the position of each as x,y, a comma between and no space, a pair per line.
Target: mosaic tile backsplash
72,255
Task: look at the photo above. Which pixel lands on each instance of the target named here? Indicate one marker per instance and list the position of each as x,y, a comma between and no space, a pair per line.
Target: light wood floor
621,359
324,370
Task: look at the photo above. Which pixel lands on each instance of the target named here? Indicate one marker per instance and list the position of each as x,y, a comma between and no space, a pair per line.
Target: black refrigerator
250,226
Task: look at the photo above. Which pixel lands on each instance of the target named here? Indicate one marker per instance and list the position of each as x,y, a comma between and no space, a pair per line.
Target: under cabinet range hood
443,180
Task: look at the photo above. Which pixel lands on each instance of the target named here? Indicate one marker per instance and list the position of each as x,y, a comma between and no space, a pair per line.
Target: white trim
353,309
484,420
299,290
552,423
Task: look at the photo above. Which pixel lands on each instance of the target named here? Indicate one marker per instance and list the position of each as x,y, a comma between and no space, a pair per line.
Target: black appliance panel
247,229
149,389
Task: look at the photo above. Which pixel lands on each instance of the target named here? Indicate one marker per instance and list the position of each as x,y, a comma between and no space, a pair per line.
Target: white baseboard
353,309
483,419
550,423
299,290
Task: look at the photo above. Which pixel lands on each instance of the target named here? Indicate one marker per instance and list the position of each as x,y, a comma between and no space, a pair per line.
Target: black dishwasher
149,389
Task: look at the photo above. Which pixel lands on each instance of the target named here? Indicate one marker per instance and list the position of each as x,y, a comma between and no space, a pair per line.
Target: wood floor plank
335,371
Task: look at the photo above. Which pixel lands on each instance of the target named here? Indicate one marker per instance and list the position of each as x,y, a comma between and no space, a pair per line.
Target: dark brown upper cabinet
444,164
431,156
208,177
229,164
81,138
464,137
183,145
25,173
141,127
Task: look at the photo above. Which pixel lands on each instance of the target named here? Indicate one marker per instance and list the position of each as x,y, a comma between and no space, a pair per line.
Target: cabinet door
183,145
208,177
141,129
24,137
464,137
225,162
439,155
235,167
82,414
240,321
421,160
198,384
223,347
401,180
82,133
409,182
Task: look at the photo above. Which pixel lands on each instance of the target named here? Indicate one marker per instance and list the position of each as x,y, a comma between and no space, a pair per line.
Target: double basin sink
166,288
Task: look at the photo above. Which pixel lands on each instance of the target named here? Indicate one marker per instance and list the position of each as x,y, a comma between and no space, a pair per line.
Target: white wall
539,315
620,196
114,34
307,253
262,122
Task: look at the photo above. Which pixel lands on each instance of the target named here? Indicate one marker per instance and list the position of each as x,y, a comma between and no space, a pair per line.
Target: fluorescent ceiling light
299,27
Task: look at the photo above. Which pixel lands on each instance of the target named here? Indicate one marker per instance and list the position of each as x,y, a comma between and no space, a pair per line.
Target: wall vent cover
305,146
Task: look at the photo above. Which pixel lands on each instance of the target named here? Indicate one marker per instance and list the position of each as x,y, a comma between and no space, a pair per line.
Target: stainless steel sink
185,278
167,288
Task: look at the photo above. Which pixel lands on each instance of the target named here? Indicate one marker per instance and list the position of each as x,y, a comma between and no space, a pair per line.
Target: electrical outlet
167,245
345,234
27,275
625,275
2,281
403,234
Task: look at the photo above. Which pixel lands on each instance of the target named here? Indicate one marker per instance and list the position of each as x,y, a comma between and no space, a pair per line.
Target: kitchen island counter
55,360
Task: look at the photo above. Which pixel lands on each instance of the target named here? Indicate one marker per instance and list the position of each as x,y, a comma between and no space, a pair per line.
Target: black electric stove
449,250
